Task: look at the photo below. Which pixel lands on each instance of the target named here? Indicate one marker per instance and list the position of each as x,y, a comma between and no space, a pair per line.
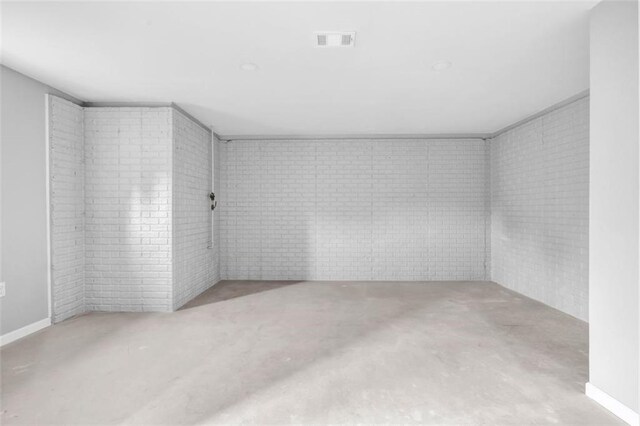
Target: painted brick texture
540,208
216,241
128,190
354,210
132,230
194,265
66,168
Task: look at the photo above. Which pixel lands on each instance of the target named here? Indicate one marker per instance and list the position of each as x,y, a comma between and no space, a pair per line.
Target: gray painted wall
24,210
613,199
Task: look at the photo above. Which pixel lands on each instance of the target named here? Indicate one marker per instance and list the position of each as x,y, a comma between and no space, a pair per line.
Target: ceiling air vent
335,38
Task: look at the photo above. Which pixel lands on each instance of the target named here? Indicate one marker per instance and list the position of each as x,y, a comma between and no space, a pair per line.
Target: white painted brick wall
344,209
194,264
361,210
354,210
540,208
66,162
128,187
217,244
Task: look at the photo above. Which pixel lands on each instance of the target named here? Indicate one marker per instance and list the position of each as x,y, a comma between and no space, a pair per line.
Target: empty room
367,212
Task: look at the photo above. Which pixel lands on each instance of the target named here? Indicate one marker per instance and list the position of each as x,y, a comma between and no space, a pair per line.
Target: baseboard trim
24,331
612,404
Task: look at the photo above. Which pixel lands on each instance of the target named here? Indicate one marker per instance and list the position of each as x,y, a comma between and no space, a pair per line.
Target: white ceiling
510,60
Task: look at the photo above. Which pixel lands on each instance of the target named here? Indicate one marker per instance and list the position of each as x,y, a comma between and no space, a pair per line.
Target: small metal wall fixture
214,203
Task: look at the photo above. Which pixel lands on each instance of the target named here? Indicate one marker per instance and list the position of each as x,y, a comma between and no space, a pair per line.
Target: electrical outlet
2,289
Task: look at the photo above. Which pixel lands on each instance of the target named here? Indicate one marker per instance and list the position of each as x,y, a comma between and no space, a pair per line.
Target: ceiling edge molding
228,138
539,114
148,105
192,118
128,104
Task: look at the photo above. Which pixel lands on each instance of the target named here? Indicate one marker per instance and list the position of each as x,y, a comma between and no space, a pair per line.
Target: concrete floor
310,352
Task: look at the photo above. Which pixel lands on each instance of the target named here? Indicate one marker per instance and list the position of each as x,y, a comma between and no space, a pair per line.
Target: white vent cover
335,38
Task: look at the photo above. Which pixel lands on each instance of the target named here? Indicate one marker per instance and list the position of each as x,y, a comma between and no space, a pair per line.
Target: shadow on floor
226,290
